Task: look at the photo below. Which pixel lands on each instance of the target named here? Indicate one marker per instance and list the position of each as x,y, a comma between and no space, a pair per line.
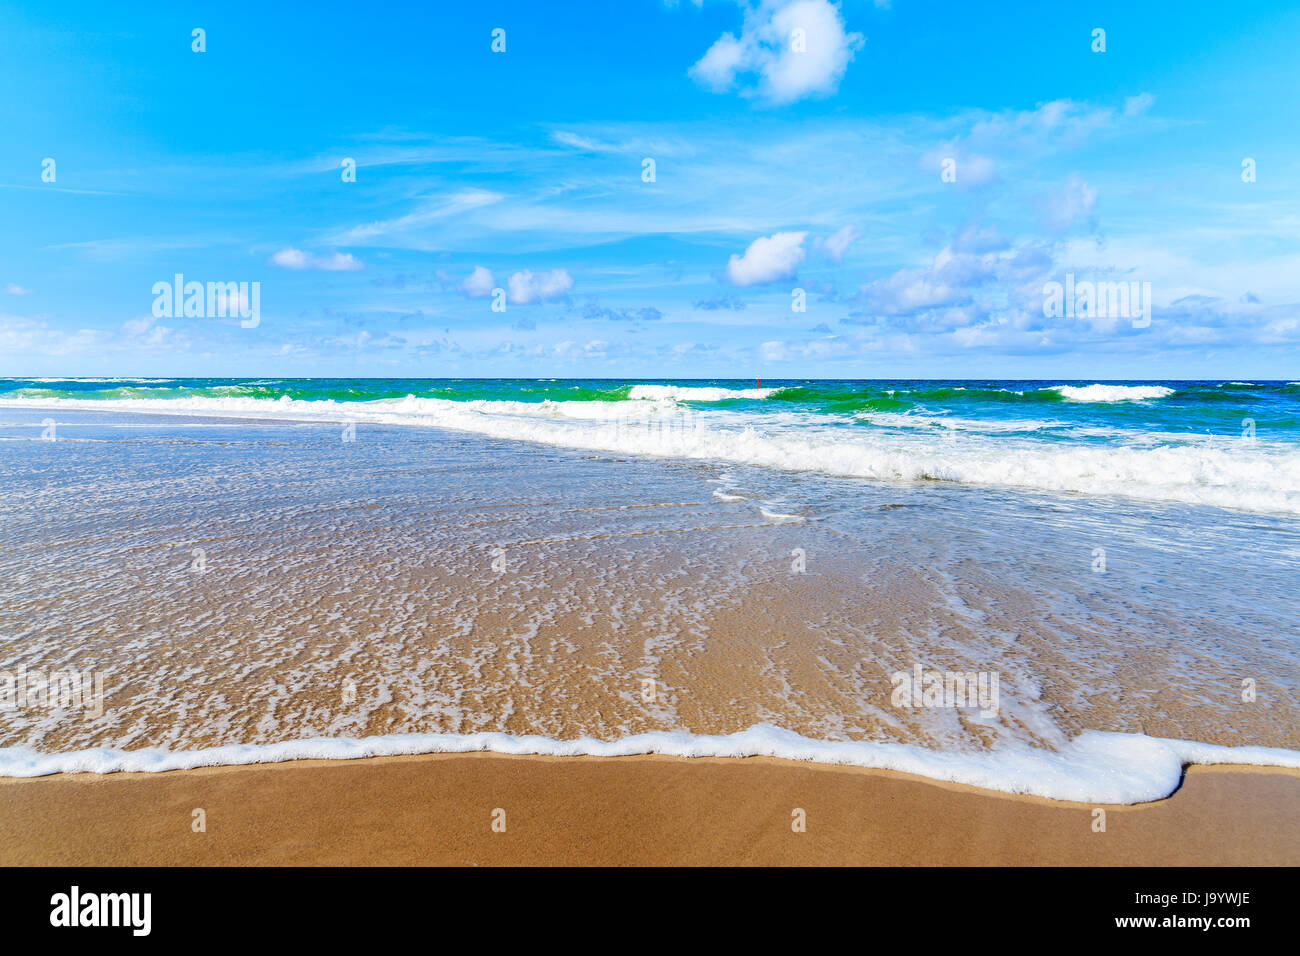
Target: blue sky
776,168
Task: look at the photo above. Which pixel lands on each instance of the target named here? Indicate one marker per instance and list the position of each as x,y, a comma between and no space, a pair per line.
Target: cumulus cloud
728,302
1020,136
768,259
1052,124
693,348
594,310
522,288
1073,201
145,332
942,293
836,244
479,283
527,287
717,68
968,169
787,50
982,291
290,258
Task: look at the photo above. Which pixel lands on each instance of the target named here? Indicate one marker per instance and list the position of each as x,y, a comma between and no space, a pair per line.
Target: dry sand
438,809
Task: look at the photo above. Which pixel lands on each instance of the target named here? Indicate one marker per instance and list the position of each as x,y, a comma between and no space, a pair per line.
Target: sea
1066,588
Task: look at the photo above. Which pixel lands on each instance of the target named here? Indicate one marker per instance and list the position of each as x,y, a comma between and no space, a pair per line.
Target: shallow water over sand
254,582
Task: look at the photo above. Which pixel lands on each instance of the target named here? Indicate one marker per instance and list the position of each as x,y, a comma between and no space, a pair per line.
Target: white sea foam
1111,393
685,393
1216,471
1096,767
90,380
724,496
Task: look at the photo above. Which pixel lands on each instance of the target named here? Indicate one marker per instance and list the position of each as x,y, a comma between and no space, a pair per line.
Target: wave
1219,472
889,399
686,393
1111,393
1095,767
89,380
725,496
878,396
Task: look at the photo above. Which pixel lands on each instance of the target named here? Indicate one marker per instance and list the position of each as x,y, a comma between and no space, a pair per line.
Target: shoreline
439,809
1100,768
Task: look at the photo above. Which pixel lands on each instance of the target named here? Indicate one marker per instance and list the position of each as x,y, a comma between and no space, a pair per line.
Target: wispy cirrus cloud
721,182
430,211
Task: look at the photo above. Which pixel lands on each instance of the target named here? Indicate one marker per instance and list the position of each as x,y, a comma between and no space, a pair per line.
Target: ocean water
1227,444
395,566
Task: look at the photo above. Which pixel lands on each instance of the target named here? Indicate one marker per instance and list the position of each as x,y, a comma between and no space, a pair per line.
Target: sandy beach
760,433
654,810
346,592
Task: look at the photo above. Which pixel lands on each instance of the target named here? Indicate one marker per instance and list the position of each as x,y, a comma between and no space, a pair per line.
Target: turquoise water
1188,406
1185,406
1220,444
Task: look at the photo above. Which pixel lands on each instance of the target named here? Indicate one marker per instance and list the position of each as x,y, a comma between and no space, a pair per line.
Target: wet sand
651,810
253,582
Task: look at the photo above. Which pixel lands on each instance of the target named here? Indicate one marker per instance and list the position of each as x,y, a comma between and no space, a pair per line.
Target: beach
626,811
750,433
246,603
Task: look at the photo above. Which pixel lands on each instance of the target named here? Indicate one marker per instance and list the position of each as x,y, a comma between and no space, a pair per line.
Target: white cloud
527,287
586,144
1054,123
479,283
768,259
838,243
145,333
14,289
19,334
718,67
290,258
1073,201
432,210
1137,105
943,294
793,49
968,168
772,351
